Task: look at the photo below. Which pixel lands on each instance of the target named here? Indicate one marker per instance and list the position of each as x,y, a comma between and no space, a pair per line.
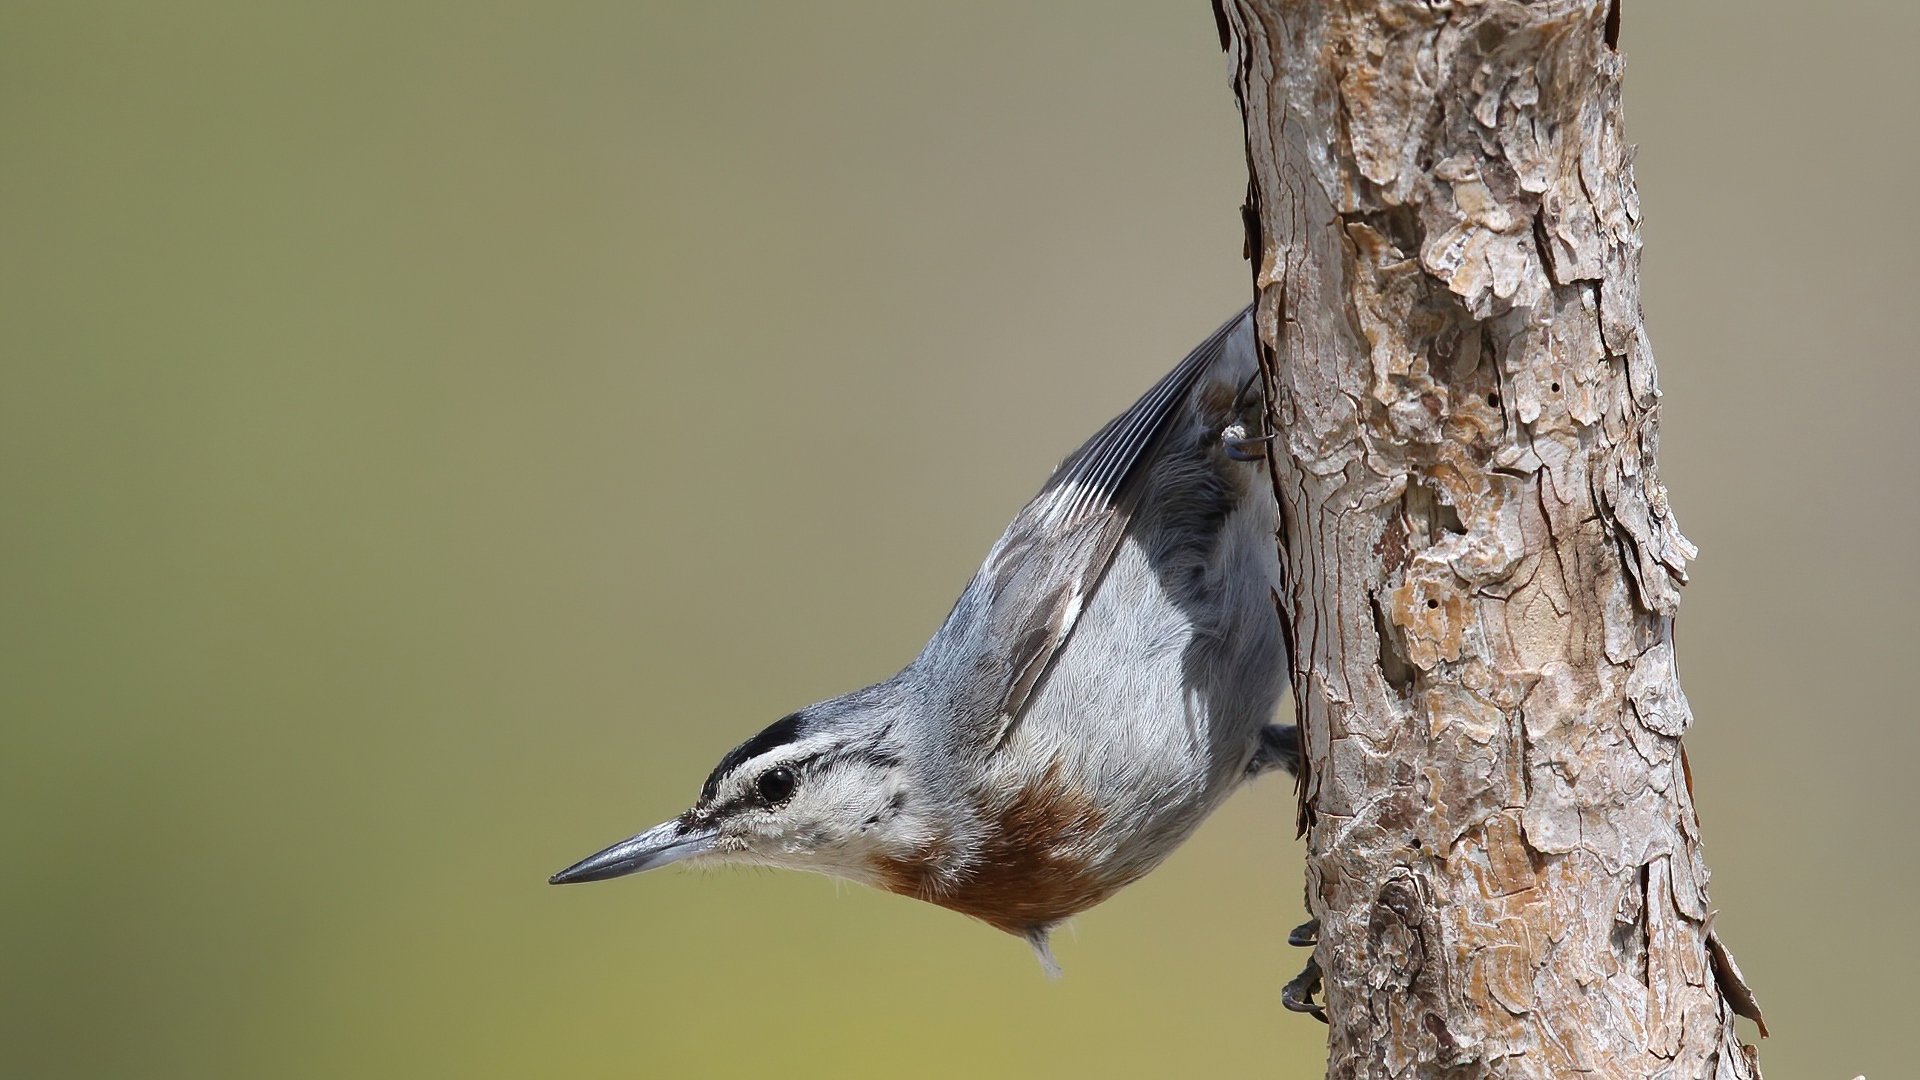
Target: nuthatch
1105,681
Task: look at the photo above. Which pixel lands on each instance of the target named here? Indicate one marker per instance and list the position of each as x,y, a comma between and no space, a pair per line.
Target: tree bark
1483,569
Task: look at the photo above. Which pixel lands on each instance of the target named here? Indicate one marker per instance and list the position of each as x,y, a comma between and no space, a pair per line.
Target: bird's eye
776,785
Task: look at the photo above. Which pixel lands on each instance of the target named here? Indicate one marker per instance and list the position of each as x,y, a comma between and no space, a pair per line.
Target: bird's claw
1247,449
1297,995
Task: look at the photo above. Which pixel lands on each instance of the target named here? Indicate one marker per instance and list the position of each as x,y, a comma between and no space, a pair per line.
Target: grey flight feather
1036,581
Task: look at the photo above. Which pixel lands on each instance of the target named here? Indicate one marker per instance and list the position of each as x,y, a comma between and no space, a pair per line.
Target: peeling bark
1484,570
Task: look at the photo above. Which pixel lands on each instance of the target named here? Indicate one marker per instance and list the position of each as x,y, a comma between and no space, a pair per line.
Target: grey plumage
1102,684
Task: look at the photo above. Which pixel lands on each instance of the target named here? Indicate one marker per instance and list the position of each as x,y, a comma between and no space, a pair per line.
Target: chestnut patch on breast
1032,869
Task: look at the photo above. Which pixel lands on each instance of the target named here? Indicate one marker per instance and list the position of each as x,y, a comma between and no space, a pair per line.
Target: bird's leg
1278,748
1239,445
1240,396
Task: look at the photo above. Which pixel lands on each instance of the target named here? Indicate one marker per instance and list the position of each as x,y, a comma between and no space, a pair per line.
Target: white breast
1151,708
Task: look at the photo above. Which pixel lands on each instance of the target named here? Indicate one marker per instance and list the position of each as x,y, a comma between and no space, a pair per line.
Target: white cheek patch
842,821
839,804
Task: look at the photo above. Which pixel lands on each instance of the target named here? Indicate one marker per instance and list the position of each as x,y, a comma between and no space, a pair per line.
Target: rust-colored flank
1026,875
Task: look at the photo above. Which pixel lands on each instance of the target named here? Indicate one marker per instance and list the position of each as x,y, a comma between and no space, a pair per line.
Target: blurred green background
431,434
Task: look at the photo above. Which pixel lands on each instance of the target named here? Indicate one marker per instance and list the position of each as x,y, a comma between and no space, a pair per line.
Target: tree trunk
1502,847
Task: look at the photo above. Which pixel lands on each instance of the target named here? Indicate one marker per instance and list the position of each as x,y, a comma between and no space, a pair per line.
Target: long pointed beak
658,846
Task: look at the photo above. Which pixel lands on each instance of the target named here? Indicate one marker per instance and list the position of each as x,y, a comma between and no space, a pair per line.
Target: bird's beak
658,846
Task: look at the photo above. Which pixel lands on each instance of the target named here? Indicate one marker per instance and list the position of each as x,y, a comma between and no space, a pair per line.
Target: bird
1107,678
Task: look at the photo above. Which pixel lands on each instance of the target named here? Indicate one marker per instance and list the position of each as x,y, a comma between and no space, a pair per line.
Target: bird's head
825,790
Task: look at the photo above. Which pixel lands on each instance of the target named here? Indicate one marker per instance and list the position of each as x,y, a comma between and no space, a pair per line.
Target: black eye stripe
777,734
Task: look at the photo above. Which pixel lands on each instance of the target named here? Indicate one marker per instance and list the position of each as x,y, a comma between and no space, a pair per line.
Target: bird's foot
1243,447
1297,995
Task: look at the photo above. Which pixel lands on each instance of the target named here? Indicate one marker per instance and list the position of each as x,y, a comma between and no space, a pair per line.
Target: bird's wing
1040,576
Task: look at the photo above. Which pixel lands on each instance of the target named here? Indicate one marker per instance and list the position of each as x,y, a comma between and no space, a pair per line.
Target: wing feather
1041,574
